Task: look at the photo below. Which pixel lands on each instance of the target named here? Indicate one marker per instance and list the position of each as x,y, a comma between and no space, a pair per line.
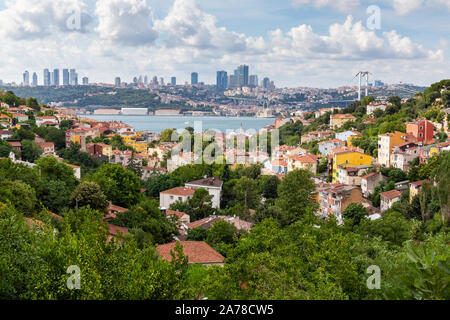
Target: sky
296,43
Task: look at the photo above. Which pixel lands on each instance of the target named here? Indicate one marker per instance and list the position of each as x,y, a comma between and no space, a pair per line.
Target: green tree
30,151
33,104
354,213
21,196
295,196
246,192
134,166
120,185
89,194
270,186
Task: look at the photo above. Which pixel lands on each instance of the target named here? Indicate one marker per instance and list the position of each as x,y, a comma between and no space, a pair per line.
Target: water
160,123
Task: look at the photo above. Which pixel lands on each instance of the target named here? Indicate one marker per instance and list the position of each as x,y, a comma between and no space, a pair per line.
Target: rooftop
180,191
196,251
391,194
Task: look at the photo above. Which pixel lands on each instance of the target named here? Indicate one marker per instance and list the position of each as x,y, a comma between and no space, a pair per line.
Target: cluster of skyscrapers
52,78
240,78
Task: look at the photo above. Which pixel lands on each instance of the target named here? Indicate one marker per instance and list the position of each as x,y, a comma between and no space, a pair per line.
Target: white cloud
341,5
350,41
125,22
407,6
187,25
30,19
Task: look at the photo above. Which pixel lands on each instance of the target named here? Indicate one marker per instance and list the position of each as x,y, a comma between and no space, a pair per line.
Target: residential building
5,134
335,198
325,147
134,140
375,106
168,197
307,162
212,185
386,142
403,154
197,252
46,121
48,148
370,181
415,188
97,150
346,136
338,120
422,130
183,218
347,159
352,175
316,136
387,199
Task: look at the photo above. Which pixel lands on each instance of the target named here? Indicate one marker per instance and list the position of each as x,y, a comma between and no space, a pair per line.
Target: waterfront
159,123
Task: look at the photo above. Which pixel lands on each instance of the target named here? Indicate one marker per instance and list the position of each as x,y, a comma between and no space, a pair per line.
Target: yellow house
386,142
338,120
134,140
414,189
349,159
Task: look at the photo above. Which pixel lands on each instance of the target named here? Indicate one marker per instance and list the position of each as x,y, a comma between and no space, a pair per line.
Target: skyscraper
266,83
46,77
253,81
242,72
222,79
85,81
117,82
55,77
73,77
194,78
66,77
173,81
26,78
146,80
233,81
34,83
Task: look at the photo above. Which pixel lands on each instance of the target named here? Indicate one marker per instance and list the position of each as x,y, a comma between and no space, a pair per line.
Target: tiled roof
180,191
367,176
208,182
418,183
391,194
176,213
196,251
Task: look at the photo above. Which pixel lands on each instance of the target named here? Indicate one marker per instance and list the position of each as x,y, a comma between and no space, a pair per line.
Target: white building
212,185
168,197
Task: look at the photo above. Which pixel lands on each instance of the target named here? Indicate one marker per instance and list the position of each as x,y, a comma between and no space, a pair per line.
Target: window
180,198
171,197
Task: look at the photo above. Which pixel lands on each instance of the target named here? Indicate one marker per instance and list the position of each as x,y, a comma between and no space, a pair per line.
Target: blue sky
315,43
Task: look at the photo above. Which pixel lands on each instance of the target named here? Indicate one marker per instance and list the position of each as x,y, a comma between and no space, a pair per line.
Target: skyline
291,45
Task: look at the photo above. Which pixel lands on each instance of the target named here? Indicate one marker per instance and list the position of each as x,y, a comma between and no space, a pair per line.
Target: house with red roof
388,198
197,252
307,162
